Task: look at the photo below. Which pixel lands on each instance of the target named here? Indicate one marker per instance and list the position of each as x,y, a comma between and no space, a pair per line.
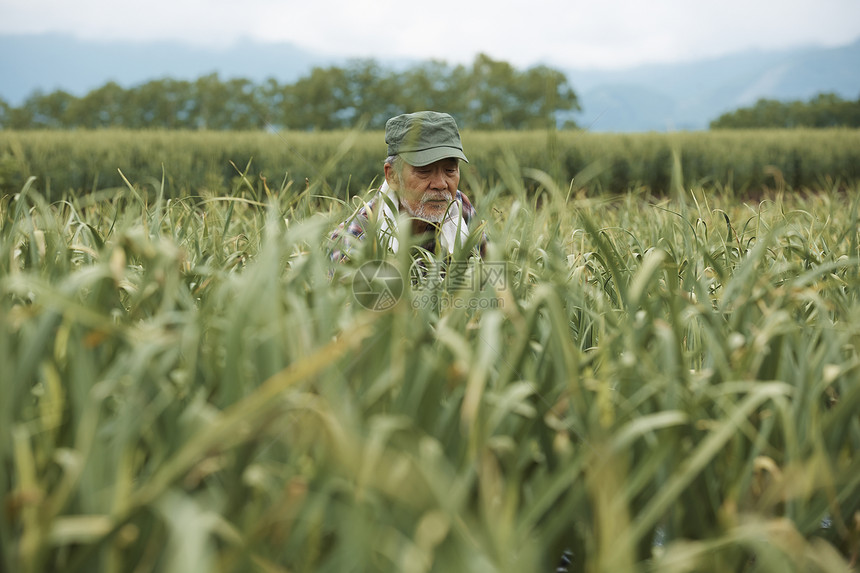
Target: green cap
423,137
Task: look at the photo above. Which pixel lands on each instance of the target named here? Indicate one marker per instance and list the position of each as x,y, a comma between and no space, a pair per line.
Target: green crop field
666,379
345,163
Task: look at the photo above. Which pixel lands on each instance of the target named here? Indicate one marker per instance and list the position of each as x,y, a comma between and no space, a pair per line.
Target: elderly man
422,173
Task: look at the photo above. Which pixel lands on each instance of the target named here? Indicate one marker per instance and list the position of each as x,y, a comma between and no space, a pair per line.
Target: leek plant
650,384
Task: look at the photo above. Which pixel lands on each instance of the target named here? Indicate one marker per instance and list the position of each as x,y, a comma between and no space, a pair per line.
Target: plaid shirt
353,228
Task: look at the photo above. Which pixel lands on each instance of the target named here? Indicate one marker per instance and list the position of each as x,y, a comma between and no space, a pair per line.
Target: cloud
611,33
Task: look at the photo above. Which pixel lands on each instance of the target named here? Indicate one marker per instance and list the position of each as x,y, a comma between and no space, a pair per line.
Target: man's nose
437,179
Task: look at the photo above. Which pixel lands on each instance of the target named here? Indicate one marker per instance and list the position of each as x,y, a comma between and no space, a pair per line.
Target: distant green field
654,382
344,162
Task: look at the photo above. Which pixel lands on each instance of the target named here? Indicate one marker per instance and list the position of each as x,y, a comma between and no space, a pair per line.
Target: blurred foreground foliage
654,384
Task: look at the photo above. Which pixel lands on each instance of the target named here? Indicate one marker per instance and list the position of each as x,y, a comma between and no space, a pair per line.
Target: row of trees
485,95
824,110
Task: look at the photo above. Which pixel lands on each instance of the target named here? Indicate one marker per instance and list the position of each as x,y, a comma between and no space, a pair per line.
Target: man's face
425,192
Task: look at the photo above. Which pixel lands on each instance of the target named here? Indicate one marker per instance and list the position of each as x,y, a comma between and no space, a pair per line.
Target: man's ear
391,176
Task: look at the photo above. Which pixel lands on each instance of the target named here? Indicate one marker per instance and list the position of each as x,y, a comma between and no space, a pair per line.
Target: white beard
452,229
424,213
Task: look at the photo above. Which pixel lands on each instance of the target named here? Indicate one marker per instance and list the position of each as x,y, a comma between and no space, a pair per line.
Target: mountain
655,97
690,95
48,62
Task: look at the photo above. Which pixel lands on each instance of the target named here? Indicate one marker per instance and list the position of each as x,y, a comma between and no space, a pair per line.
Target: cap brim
428,156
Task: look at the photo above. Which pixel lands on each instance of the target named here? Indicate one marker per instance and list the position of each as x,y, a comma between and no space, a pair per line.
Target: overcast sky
578,33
